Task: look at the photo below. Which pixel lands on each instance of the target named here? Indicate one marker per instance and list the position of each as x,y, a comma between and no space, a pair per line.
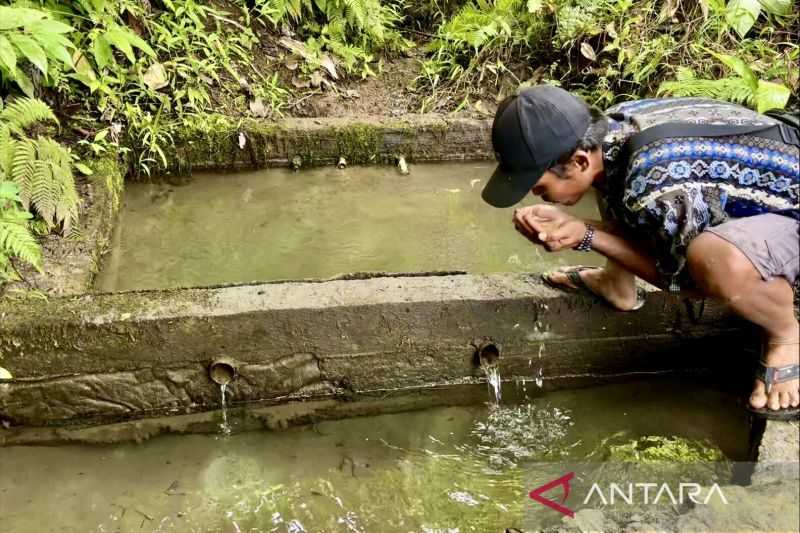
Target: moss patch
653,449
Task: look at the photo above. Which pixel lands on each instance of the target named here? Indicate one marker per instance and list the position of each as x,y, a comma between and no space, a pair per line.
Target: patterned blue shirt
670,190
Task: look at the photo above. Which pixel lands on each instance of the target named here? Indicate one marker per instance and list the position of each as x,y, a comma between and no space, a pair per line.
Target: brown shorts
770,242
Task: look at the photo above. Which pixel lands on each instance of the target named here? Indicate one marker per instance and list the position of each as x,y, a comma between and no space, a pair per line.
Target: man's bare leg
723,272
612,283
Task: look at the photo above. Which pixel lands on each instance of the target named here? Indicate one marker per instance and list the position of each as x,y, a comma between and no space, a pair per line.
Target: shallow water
446,469
276,224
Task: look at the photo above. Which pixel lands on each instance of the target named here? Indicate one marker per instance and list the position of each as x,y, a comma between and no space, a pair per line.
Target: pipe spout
222,371
296,162
342,164
487,354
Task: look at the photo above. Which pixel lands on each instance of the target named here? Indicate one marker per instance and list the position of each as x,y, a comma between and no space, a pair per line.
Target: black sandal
772,375
574,276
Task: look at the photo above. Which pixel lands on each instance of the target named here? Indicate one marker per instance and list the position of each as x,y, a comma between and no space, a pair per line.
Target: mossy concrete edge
112,357
221,143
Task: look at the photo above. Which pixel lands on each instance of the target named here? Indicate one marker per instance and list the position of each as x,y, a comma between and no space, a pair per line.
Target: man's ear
581,159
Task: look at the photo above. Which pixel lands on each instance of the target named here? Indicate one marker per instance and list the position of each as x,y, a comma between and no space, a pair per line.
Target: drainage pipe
487,354
223,370
342,164
296,162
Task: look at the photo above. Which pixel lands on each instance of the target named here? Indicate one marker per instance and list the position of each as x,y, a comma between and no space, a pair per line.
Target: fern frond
736,90
53,192
6,152
17,240
24,112
23,159
44,192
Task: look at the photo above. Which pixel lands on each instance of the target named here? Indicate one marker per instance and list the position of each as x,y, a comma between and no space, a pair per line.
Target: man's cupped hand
549,227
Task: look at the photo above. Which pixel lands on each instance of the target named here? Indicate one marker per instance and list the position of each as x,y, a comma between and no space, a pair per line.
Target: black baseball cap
530,132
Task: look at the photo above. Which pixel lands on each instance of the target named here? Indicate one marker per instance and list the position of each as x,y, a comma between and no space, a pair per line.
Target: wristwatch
586,243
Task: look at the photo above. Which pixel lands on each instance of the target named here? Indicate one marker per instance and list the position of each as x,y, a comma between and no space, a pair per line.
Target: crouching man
696,195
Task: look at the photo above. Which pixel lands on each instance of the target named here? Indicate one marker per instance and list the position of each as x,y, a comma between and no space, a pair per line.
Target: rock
764,507
778,453
590,521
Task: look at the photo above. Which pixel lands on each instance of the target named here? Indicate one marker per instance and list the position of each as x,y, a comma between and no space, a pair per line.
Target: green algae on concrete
653,448
221,143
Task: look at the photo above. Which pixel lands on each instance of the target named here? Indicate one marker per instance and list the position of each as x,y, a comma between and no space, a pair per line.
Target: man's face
568,189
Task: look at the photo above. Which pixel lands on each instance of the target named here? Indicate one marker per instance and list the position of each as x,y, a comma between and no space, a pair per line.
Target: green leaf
140,43
739,67
9,191
780,8
125,40
771,95
742,14
24,82
119,38
30,49
57,46
101,49
8,57
83,169
84,72
48,26
16,17
97,6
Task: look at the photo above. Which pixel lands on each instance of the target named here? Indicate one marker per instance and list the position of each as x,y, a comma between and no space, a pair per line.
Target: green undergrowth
146,80
612,50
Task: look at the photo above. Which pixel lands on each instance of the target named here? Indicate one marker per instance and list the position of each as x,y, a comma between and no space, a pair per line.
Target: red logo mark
536,494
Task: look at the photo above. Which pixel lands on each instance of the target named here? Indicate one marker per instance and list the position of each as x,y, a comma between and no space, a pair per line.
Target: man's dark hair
591,140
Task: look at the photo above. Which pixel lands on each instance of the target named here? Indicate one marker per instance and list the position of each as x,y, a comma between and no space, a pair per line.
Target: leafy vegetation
31,37
137,76
352,30
617,49
480,40
35,179
16,239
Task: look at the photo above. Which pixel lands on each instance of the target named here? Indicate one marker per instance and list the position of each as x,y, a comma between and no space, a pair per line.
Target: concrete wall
309,350
112,357
321,141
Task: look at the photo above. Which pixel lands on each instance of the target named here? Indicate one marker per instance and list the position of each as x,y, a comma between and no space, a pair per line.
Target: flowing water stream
464,469
494,382
224,427
317,223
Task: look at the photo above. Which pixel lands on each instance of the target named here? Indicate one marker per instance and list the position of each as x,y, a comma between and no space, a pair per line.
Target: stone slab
111,357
